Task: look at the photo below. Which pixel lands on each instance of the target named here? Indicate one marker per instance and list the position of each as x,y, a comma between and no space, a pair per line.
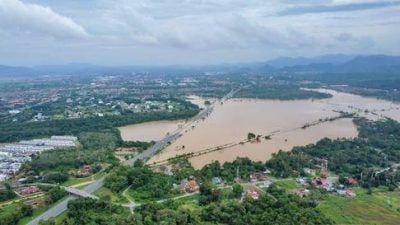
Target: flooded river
231,121
150,131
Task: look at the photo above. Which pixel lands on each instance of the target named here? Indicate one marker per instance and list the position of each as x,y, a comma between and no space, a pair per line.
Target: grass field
117,198
382,207
286,184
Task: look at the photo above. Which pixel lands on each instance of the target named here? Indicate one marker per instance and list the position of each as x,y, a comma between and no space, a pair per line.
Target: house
351,180
301,180
253,194
183,186
253,178
258,177
252,191
188,186
85,170
322,183
216,180
193,186
267,171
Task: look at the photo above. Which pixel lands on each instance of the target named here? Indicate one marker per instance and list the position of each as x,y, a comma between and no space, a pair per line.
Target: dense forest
276,207
10,132
272,90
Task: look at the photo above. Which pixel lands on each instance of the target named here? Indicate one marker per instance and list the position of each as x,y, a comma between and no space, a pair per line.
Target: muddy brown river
231,121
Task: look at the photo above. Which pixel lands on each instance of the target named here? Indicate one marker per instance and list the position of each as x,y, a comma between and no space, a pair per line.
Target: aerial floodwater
156,130
232,120
150,131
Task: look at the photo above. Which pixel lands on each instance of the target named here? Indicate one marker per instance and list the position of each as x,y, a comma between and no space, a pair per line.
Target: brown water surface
231,121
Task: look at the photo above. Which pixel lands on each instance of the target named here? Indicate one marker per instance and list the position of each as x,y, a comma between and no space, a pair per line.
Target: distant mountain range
302,61
357,64
338,63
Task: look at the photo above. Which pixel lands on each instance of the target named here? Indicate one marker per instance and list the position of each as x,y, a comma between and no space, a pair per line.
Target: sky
160,32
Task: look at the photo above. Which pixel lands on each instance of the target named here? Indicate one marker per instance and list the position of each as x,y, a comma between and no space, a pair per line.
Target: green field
382,207
286,184
105,192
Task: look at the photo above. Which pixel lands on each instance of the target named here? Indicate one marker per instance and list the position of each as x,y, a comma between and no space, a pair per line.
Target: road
159,145
145,155
62,206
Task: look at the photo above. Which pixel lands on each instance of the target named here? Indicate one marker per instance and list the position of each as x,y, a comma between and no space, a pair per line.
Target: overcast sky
147,32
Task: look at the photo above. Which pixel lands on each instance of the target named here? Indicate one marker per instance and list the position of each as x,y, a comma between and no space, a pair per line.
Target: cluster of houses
101,108
323,182
188,185
258,180
13,155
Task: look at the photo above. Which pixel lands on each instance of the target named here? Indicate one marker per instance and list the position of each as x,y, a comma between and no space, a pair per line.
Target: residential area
13,155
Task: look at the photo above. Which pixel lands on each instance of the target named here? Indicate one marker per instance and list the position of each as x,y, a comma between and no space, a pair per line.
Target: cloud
184,26
337,6
29,18
192,31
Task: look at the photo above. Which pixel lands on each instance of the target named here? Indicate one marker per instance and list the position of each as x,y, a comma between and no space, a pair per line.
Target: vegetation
384,85
369,157
140,146
228,171
89,211
11,215
278,206
10,132
380,207
209,194
55,166
285,91
54,194
6,193
143,182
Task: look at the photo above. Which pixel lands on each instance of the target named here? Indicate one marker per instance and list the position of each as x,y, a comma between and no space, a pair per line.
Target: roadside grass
103,192
58,219
75,181
189,202
8,208
38,211
145,196
381,207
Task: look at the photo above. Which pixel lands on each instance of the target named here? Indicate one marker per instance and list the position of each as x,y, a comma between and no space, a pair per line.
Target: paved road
62,206
158,146
80,193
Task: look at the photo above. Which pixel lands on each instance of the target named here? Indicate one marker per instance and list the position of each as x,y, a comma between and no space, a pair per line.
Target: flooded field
231,121
154,131
150,131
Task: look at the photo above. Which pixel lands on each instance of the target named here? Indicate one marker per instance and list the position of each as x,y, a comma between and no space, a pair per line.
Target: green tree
237,190
251,136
